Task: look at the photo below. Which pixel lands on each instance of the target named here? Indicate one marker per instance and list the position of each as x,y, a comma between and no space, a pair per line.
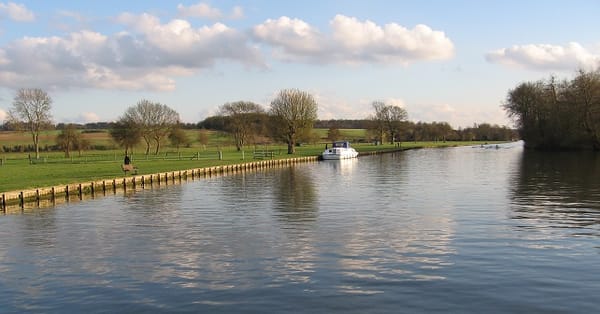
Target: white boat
339,150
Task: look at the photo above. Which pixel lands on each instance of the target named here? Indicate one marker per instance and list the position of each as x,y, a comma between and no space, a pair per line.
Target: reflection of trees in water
295,195
39,230
558,190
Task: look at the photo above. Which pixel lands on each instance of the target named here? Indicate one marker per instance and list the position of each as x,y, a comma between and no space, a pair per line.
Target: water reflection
295,195
558,190
421,231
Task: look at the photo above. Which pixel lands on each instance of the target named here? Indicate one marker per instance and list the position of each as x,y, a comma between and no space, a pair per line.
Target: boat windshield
341,144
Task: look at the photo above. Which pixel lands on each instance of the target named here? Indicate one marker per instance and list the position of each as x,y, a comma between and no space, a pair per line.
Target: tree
178,137
126,133
333,133
31,111
293,111
387,119
245,121
203,138
553,115
394,117
154,121
68,139
378,125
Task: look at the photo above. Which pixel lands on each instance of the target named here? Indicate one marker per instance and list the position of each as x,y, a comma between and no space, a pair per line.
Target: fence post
220,155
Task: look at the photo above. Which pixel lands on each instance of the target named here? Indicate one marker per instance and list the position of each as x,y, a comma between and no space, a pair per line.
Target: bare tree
378,124
154,121
68,139
178,137
31,112
395,115
387,119
245,121
126,133
294,111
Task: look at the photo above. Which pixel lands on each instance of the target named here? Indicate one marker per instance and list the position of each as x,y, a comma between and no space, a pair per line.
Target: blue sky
448,61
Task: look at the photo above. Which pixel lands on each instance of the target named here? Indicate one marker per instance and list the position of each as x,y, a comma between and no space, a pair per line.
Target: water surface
432,230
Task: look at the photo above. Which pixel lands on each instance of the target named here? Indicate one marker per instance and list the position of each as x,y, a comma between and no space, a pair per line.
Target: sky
451,61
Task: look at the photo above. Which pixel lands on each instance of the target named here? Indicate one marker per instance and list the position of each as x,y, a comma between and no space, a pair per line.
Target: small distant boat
339,150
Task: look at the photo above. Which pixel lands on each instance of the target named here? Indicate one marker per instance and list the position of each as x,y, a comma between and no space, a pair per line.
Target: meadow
19,170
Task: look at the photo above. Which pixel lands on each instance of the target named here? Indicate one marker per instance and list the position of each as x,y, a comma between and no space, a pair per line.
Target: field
18,171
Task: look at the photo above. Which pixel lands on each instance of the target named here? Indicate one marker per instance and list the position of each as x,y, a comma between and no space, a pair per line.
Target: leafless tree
394,118
154,121
31,112
246,119
294,111
68,139
126,133
178,137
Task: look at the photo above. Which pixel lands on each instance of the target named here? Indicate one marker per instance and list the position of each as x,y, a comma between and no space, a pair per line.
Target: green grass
54,170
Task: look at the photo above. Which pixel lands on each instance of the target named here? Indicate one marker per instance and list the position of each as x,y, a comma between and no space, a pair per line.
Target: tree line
554,114
290,119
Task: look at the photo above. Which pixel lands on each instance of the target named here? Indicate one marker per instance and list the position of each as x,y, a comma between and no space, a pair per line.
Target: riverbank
48,195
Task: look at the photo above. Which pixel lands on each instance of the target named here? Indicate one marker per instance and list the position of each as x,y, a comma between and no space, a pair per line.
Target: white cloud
332,107
3,115
17,12
353,41
148,56
88,117
199,10
546,57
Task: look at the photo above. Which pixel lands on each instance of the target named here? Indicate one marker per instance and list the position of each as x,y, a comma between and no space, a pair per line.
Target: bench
129,167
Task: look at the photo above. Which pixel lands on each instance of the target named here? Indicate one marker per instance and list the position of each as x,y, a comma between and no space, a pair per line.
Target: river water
468,229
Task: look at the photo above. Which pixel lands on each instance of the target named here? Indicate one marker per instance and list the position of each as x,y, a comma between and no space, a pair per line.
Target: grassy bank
18,172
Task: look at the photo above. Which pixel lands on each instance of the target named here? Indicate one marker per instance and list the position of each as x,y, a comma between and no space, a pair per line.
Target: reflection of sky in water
422,228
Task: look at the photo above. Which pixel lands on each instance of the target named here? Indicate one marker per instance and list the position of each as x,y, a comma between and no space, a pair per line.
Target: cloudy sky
441,60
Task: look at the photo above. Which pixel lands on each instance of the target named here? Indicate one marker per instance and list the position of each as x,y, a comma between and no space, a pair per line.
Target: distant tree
378,126
154,121
68,139
82,144
333,133
31,112
245,120
214,123
387,119
394,116
293,111
555,115
203,137
178,137
125,133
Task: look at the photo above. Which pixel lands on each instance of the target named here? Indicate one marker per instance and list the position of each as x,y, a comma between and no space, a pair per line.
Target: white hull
339,153
338,157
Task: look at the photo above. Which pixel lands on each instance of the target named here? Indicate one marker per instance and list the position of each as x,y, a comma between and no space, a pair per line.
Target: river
466,229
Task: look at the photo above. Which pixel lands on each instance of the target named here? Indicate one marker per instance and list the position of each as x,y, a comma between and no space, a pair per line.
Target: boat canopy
343,144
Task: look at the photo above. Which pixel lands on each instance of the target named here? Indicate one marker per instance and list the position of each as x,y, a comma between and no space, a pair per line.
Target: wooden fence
42,197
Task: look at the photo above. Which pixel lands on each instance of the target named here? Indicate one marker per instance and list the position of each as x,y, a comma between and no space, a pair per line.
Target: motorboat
339,150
